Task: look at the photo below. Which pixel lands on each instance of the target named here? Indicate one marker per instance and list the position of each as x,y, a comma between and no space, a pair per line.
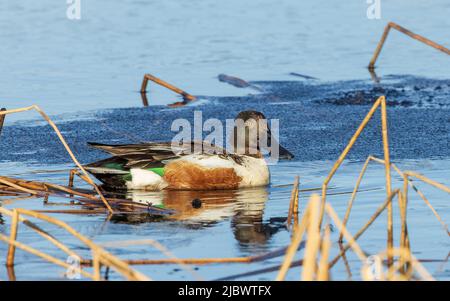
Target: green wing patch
157,170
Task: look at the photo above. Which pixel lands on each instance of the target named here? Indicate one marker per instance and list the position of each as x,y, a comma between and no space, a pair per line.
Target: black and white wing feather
143,155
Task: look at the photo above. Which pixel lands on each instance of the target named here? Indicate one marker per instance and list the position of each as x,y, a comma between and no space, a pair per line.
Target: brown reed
297,237
406,182
86,198
412,174
364,228
66,146
353,196
2,120
316,263
406,254
293,204
312,247
40,231
104,257
387,168
406,32
380,101
13,237
324,269
149,77
345,152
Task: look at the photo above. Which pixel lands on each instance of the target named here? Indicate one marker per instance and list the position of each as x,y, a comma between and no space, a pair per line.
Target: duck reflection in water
199,209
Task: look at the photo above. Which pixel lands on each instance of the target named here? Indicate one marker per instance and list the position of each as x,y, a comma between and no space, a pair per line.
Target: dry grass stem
297,237
406,32
149,77
309,271
353,196
66,146
316,263
13,237
387,167
364,228
346,151
293,203
324,270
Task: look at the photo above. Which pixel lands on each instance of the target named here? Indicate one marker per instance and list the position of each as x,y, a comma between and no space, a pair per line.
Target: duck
195,165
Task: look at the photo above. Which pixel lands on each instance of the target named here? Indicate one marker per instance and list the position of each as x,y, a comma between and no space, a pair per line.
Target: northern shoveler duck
156,166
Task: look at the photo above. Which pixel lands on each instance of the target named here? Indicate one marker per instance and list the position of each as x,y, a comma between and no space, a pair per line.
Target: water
77,69
243,223
99,61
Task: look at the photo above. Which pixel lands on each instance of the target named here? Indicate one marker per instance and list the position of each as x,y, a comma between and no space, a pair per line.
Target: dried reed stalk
438,217
102,256
34,187
41,232
406,254
403,198
408,33
351,239
159,81
344,258
96,266
197,261
309,270
38,253
72,174
13,237
18,187
412,174
299,230
353,196
380,101
144,99
346,151
2,120
88,200
324,270
364,228
296,200
159,247
11,273
192,261
387,168
66,146
402,174
293,202
87,211
403,204
105,257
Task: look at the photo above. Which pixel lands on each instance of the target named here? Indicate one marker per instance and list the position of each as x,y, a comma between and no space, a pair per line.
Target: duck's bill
284,154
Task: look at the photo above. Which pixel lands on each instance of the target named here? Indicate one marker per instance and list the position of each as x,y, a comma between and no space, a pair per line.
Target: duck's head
257,134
